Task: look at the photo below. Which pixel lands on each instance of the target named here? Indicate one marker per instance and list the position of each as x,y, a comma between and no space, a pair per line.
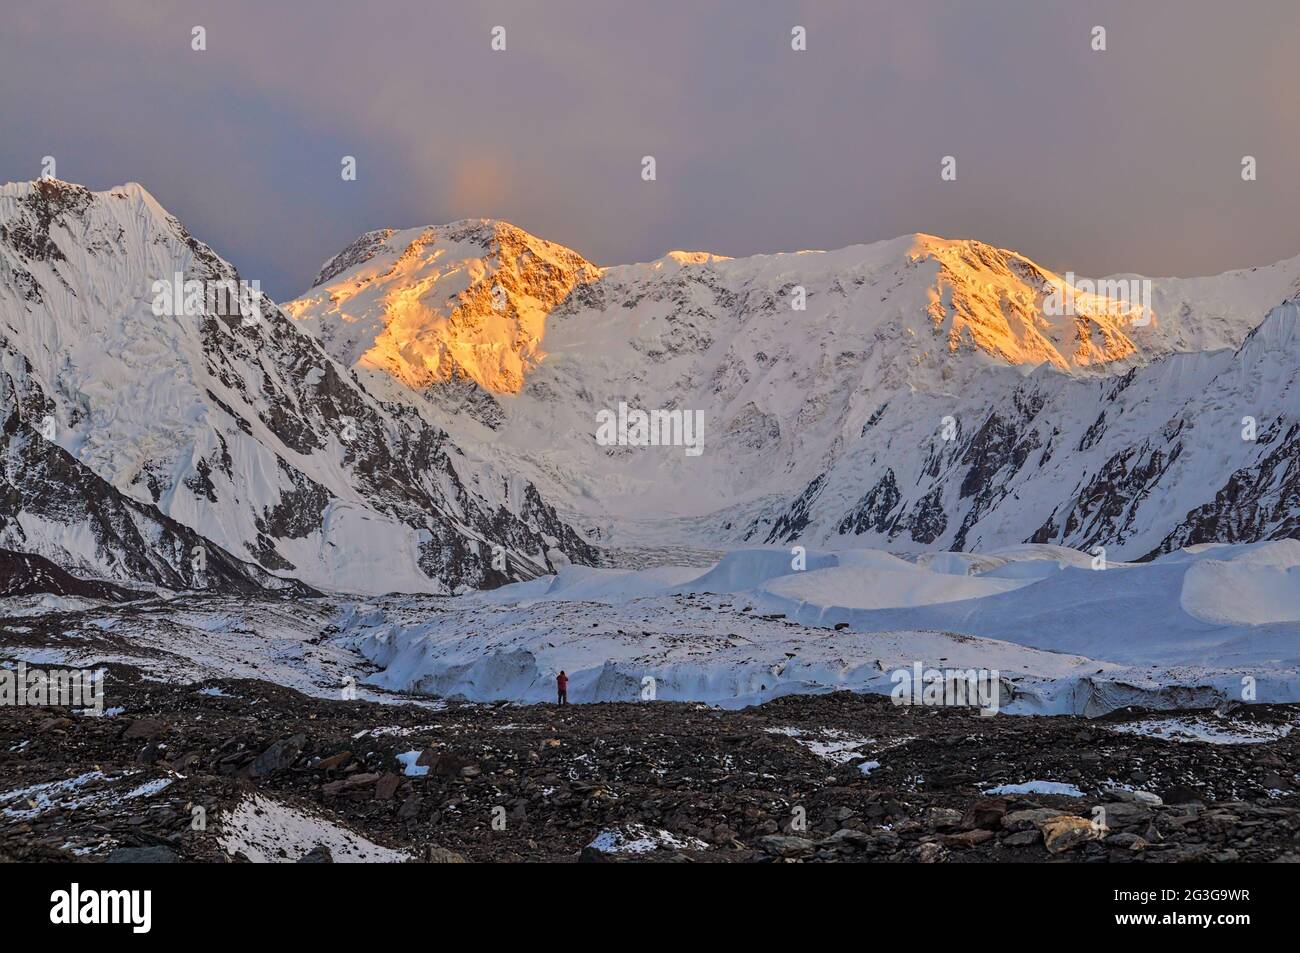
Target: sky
1126,160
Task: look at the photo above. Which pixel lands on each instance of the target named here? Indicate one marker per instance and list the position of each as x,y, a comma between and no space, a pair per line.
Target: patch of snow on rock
639,839
270,832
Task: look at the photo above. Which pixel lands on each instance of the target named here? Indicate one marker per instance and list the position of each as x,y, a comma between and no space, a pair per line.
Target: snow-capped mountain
1191,448
913,394
136,432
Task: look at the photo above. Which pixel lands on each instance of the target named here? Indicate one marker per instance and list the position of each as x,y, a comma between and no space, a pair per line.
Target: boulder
279,756
786,845
1125,814
1022,838
985,814
434,854
1126,841
334,761
1067,832
944,817
387,786
1149,798
1029,819
971,838
930,853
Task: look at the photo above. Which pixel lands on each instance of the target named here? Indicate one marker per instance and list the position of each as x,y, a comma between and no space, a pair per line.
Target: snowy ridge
926,399
825,425
238,427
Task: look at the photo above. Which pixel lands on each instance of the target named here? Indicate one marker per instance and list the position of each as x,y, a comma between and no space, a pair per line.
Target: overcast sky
1127,160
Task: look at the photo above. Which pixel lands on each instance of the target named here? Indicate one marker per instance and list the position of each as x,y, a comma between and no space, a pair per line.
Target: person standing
562,688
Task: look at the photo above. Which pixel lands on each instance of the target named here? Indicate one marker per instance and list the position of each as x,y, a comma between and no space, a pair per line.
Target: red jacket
562,681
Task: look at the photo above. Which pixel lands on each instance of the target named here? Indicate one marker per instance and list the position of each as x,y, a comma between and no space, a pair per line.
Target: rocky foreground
245,770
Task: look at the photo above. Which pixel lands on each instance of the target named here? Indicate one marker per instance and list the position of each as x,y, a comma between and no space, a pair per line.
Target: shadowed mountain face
914,394
22,574
217,445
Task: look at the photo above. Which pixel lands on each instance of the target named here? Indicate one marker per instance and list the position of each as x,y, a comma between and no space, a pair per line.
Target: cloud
1126,160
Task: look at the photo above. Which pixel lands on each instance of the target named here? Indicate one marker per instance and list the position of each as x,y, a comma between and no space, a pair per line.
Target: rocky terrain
237,769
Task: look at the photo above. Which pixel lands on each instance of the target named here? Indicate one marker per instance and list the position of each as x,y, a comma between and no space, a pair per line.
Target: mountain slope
1192,448
54,508
457,312
927,394
227,419
24,574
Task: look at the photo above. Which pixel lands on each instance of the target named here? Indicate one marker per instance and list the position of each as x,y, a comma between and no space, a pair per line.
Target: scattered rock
716,780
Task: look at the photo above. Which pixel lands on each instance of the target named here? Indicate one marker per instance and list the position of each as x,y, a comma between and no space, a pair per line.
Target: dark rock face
50,201
136,541
874,509
23,574
1262,502
1000,445
929,520
362,249
793,521
463,395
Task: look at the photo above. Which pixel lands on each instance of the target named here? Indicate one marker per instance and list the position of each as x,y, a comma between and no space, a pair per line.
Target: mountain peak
482,235
63,193
689,258
465,300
